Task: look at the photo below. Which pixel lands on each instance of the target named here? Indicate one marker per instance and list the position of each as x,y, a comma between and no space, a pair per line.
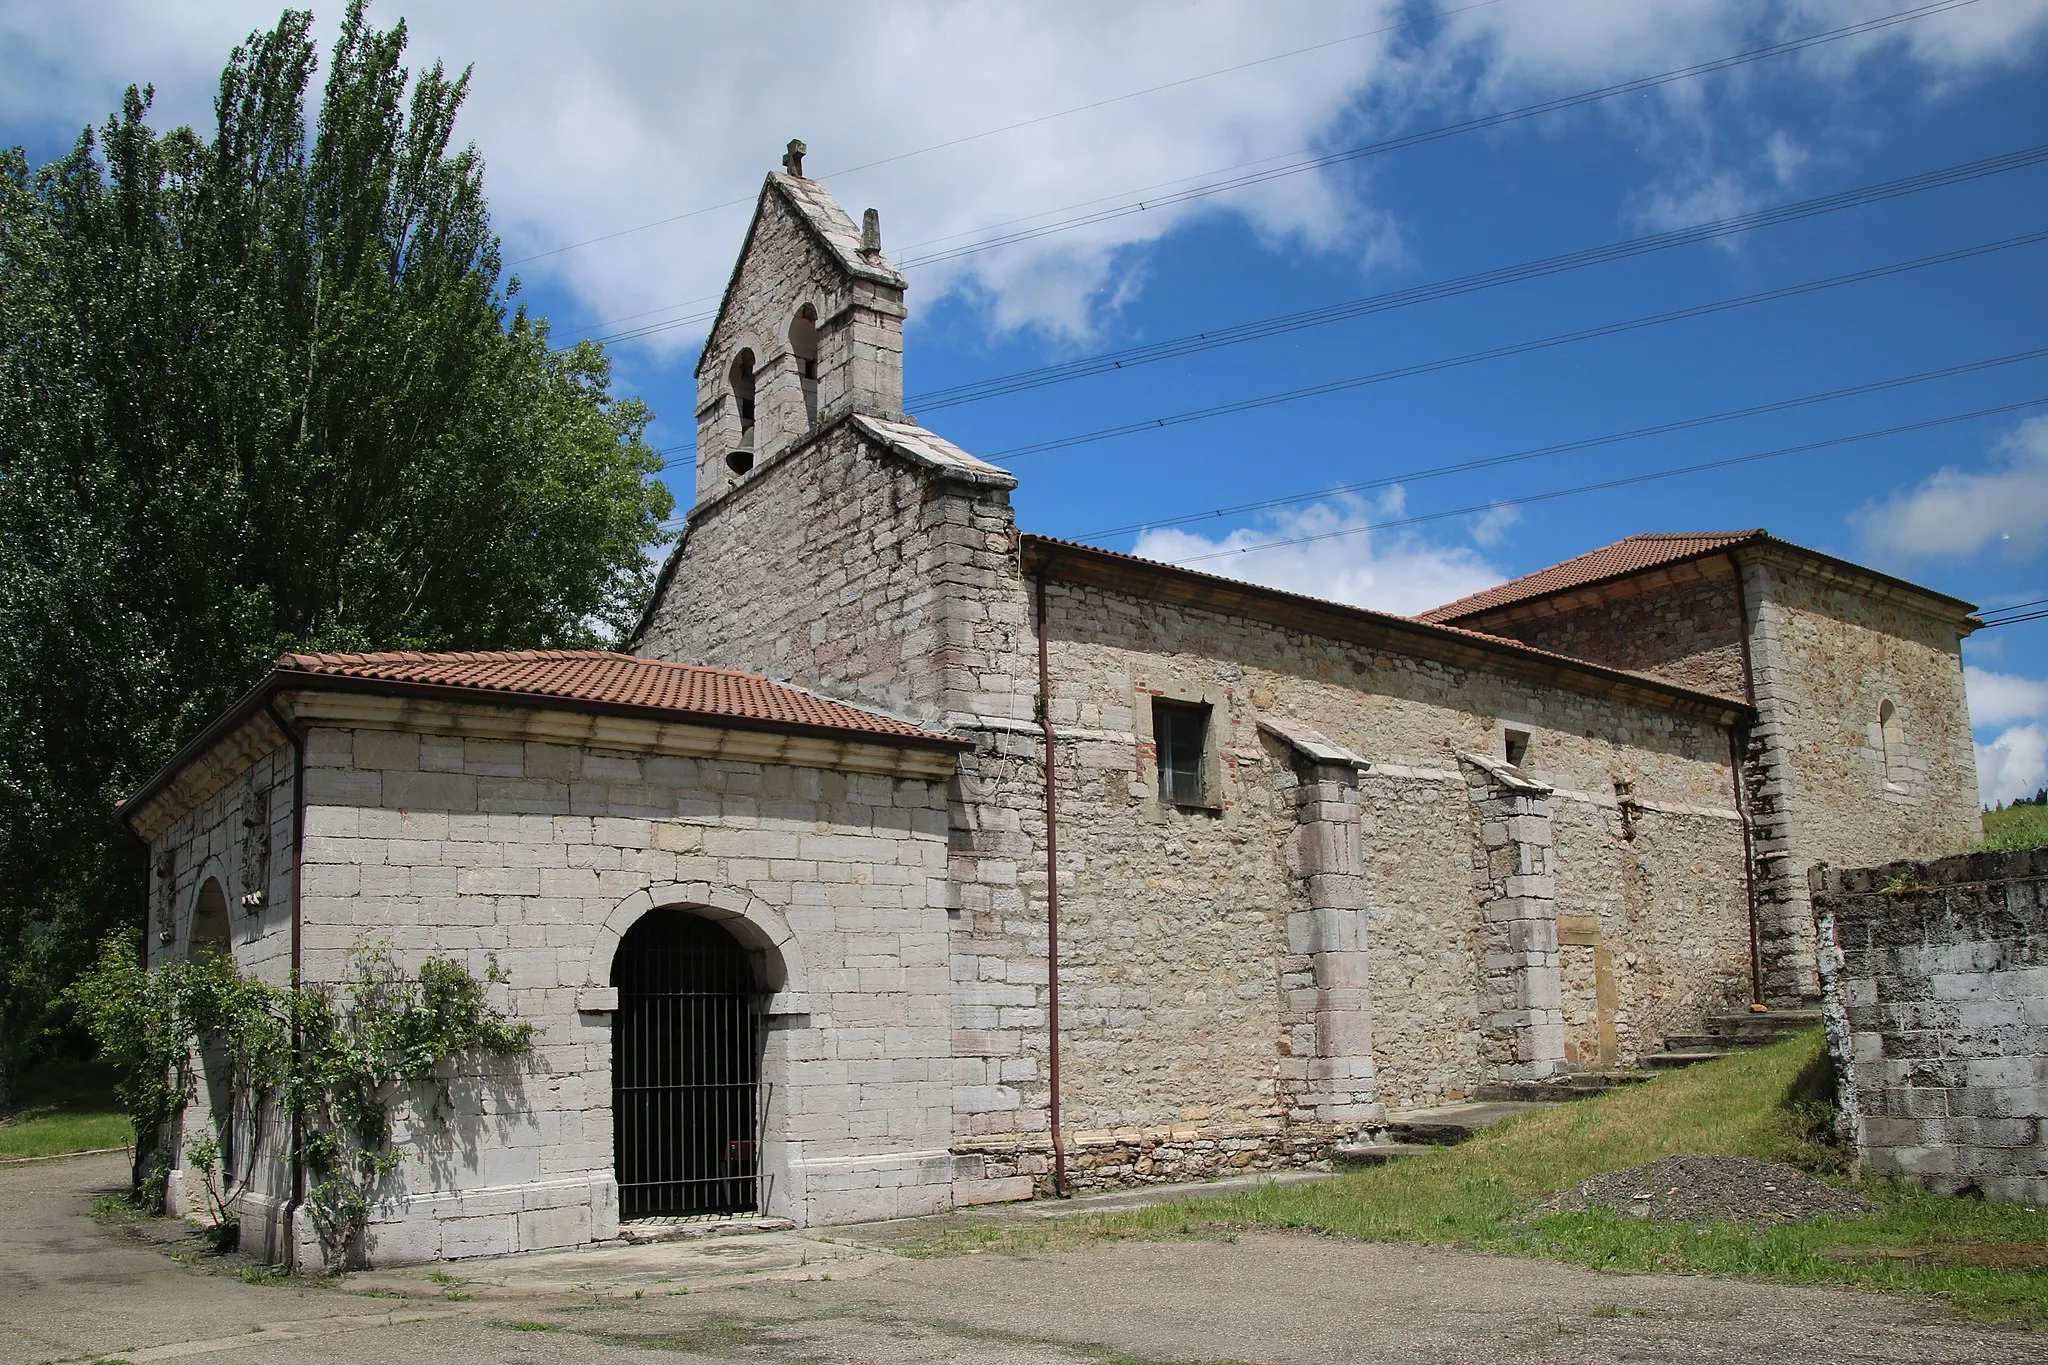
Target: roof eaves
1043,553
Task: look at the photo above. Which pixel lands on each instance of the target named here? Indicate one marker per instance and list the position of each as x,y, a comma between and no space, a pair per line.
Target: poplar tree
259,392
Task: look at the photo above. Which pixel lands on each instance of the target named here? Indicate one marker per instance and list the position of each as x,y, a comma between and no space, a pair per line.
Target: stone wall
1935,978
1174,920
537,856
1829,653
1680,622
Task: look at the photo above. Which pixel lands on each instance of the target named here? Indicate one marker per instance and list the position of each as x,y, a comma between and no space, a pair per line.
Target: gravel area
1699,1189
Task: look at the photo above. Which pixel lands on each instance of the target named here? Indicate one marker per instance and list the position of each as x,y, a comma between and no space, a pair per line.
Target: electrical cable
2015,620
1554,494
1512,349
909,261
1566,447
1417,22
1020,381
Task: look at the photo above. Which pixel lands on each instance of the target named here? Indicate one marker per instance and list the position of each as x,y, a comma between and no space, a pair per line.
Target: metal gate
686,1070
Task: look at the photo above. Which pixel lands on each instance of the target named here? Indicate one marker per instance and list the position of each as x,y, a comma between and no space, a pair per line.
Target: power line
2015,620
911,262
1131,357
1633,479
1432,17
1586,443
1484,121
1513,349
2016,606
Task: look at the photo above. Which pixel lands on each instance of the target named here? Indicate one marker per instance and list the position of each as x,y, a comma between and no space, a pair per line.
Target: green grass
2016,827
1987,1259
63,1107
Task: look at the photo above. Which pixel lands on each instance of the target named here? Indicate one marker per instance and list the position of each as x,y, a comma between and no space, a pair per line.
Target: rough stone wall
213,842
1828,654
838,568
1652,921
1684,625
534,854
1174,919
1936,992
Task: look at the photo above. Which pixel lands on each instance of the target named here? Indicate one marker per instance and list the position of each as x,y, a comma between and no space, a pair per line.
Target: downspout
1737,744
1052,905
298,743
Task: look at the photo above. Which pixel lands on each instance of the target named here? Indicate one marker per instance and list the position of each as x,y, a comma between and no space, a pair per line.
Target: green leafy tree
263,392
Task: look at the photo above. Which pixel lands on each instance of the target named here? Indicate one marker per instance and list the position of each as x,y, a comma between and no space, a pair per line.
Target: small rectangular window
1517,747
1180,732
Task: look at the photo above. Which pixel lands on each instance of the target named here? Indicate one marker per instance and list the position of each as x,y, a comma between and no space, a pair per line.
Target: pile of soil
1700,1189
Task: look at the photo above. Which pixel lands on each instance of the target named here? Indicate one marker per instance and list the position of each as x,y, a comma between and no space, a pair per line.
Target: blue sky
623,114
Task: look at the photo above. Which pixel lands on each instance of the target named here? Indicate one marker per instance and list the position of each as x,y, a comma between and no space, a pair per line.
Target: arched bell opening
686,1069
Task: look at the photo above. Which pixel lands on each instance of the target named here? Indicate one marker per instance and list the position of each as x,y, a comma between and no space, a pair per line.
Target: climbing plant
341,1060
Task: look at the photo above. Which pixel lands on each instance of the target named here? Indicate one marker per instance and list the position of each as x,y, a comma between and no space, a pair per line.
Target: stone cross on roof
793,159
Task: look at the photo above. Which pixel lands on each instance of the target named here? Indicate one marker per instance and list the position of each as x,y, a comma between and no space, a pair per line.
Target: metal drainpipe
1052,905
298,743
1737,744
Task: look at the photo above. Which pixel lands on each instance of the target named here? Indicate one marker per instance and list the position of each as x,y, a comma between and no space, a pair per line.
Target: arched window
209,921
742,377
803,348
1892,741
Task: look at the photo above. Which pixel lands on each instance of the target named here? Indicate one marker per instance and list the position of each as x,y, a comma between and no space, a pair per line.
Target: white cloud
2013,765
1387,571
599,116
1957,513
2002,698
2014,761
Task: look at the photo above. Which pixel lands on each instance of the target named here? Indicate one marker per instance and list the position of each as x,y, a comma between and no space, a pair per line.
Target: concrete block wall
1935,979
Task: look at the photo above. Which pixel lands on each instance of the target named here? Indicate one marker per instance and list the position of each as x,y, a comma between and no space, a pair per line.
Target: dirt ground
72,1289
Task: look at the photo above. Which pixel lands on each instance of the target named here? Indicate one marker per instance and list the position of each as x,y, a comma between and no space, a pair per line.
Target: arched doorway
210,938
686,1069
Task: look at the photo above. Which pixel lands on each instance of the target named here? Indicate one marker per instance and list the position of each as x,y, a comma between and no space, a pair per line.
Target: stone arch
1891,742
208,909
778,958
803,351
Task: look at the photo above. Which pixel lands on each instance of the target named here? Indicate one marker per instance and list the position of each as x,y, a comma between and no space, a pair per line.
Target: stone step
1771,1024
640,1231
1675,1058
1577,1086
1713,1042
1365,1154
1449,1124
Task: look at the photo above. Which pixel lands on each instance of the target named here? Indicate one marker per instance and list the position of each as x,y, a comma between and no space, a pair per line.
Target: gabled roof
1618,560
1655,550
828,226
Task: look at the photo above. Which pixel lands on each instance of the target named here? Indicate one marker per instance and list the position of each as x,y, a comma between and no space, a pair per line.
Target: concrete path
73,1290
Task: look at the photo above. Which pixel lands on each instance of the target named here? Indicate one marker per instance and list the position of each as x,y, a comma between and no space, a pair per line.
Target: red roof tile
1618,560
588,677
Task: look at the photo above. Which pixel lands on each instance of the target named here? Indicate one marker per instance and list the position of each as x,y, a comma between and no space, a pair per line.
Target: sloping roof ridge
465,656
1498,643
1563,576
926,448
815,213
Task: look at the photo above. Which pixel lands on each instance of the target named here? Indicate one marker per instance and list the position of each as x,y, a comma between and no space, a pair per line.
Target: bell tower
810,329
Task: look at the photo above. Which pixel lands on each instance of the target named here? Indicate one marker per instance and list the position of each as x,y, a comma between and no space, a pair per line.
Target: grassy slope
2016,827
1486,1194
64,1108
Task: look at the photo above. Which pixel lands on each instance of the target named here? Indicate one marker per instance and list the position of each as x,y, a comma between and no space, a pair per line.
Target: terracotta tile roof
1618,560
585,678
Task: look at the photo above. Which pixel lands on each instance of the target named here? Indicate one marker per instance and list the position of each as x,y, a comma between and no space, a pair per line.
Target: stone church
911,862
